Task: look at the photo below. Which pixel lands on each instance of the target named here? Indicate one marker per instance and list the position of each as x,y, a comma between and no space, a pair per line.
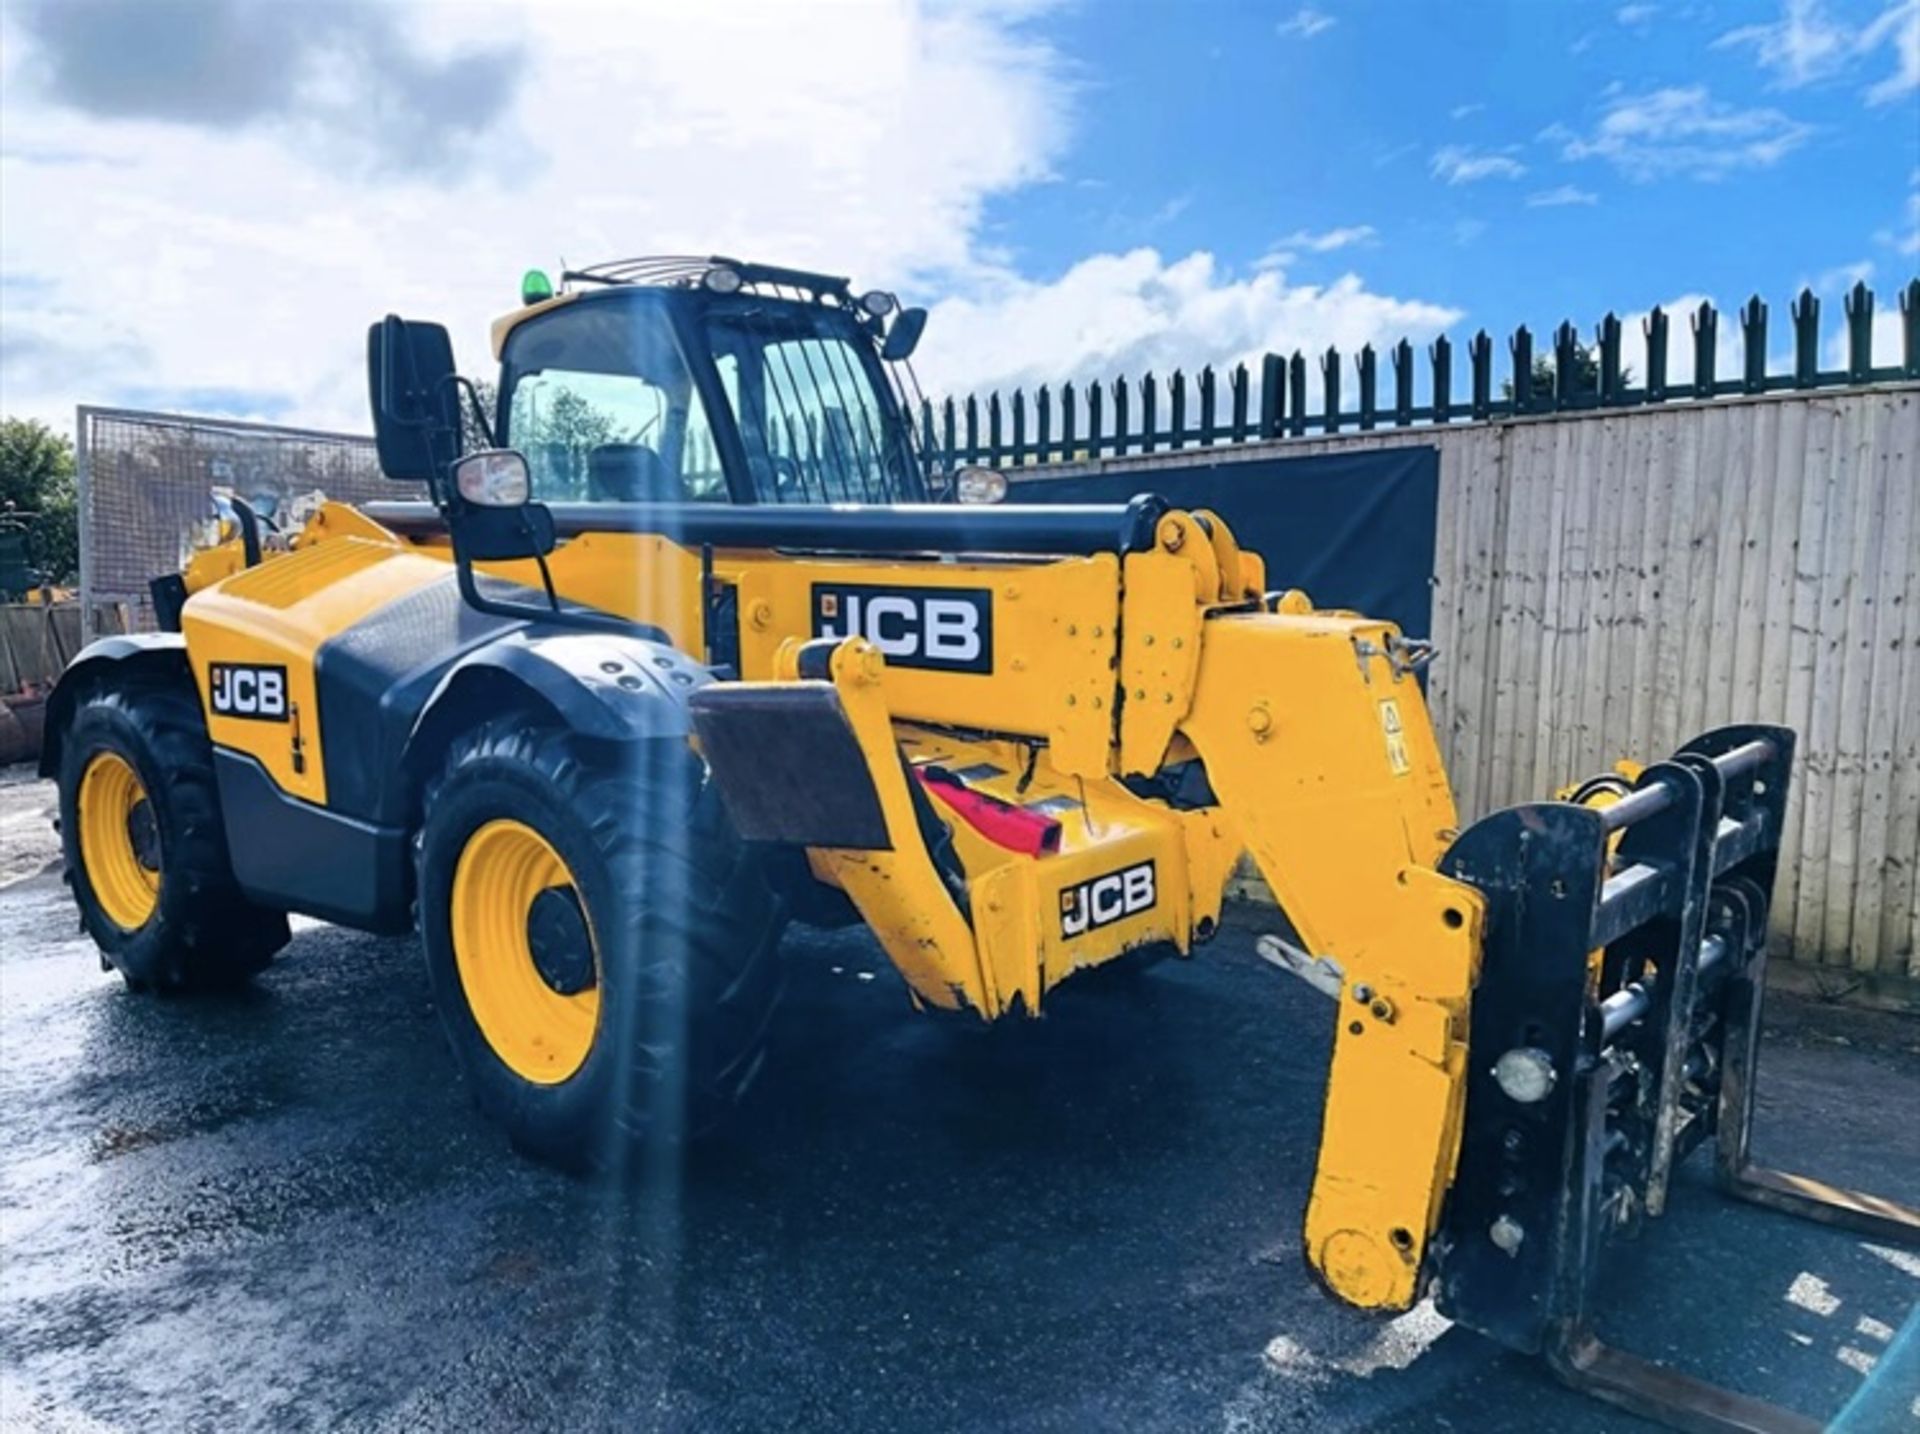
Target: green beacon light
535,287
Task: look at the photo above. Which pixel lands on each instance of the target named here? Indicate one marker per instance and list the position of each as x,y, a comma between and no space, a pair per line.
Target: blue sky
1230,126
206,201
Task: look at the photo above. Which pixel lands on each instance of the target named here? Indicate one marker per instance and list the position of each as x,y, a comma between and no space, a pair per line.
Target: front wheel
145,846
601,945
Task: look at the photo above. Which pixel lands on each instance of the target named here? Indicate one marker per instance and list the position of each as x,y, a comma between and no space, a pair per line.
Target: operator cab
686,397
709,381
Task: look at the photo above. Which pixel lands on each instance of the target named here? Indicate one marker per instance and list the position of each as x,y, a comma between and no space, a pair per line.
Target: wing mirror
496,518
416,405
494,478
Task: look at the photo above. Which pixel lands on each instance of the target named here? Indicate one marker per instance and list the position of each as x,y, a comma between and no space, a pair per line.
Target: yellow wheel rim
119,844
542,1034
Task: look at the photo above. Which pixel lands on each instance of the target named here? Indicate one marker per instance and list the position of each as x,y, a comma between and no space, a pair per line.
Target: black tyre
145,847
602,947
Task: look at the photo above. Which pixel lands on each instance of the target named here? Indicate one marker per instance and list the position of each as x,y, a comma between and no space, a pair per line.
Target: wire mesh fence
145,480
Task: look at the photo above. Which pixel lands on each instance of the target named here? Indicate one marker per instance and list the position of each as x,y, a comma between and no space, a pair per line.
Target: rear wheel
145,848
601,944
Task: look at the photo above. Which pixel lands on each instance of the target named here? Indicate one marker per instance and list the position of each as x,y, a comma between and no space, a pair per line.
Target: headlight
979,485
878,303
493,478
721,281
1525,1073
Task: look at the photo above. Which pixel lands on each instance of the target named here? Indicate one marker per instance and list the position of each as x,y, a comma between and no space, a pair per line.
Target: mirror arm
481,421
585,620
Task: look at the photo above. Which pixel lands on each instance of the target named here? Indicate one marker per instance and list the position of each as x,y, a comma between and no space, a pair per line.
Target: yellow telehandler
685,639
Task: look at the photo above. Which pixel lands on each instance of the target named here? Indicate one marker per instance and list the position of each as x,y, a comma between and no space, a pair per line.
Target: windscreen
599,398
818,420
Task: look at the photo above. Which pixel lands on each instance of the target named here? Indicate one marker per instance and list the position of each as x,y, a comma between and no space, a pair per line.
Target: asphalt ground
277,1210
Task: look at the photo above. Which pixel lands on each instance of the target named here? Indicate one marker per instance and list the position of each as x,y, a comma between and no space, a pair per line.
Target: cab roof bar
1040,529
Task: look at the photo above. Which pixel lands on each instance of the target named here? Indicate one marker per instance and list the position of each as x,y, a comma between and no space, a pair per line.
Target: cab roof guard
686,271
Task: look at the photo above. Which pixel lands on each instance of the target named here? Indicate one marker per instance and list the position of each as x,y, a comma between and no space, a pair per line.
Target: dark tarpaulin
1353,530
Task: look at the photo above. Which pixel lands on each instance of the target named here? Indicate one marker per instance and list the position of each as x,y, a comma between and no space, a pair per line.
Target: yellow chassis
1313,733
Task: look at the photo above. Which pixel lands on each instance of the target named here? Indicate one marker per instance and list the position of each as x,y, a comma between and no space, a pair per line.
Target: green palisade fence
1122,417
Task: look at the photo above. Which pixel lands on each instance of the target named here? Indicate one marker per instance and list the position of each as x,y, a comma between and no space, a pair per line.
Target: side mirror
904,337
494,478
495,519
416,405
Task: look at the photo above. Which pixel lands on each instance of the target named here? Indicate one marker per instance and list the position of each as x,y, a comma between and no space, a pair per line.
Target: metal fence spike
1441,354
1806,339
1706,348
1859,309
1753,332
1655,328
1612,381
1910,329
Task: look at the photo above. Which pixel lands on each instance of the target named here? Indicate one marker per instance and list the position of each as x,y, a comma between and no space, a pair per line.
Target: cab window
599,399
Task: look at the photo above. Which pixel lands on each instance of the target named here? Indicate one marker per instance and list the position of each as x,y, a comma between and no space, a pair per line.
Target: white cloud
1906,238
1808,43
1636,15
1306,23
1684,131
1468,231
1286,251
233,267
218,257
1460,112
1899,29
1115,314
1460,164
1328,240
1840,278
1171,210
1803,45
1561,195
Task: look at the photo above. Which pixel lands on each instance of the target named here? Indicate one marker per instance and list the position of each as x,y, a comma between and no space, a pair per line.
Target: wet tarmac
278,1211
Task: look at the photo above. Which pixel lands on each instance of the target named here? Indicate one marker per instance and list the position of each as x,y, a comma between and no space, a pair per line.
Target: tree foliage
472,436
37,493
1586,378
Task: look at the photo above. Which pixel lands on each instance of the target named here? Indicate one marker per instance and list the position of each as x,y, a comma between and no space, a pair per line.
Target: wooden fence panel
1609,583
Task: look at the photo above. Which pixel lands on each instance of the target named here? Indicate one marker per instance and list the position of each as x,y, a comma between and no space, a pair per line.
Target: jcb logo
245,689
1106,899
942,629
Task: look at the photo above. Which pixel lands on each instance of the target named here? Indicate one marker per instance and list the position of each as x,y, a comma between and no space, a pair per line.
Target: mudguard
604,686
124,655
